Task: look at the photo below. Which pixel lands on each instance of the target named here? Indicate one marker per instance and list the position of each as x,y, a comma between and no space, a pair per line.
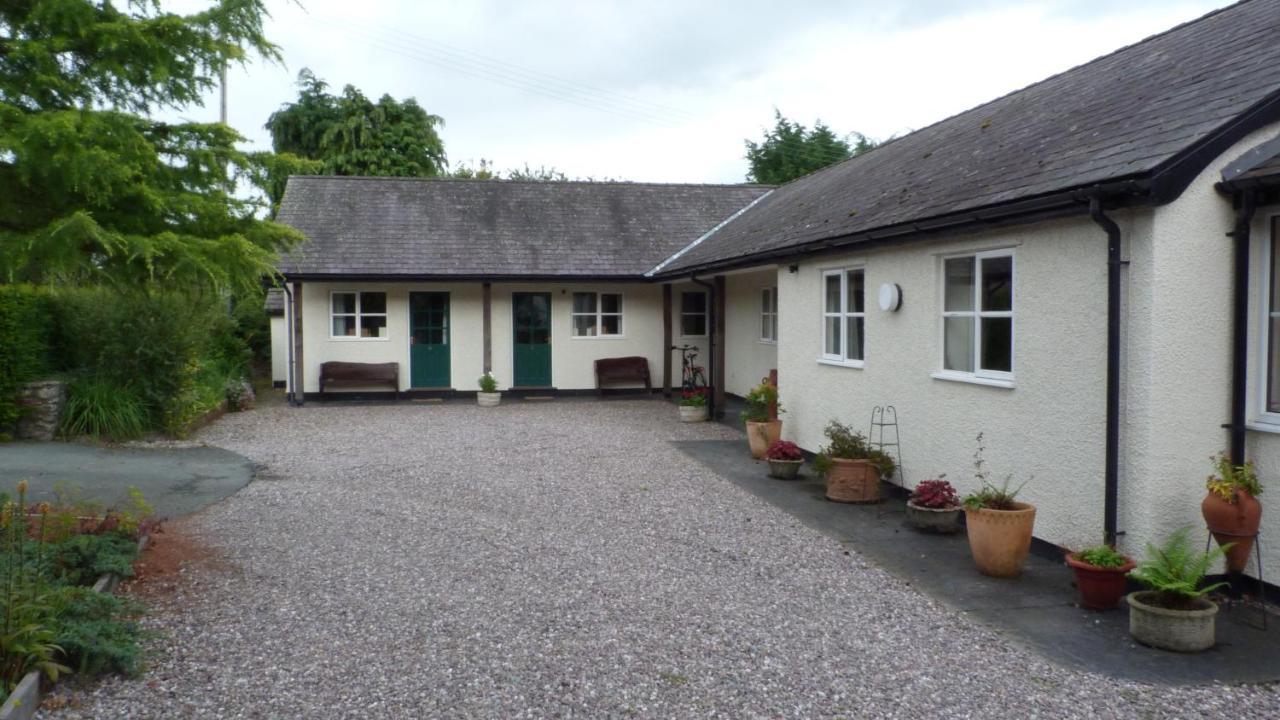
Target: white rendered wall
279,349
748,359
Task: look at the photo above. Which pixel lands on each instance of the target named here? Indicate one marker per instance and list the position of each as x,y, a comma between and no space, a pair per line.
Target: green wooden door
429,340
531,318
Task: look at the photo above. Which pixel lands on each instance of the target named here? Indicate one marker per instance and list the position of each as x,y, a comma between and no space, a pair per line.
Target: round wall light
890,297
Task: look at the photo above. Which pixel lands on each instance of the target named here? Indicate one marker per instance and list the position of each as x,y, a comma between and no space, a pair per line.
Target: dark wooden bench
623,369
360,374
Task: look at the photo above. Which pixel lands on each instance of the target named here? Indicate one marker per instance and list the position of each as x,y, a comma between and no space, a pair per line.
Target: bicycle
692,377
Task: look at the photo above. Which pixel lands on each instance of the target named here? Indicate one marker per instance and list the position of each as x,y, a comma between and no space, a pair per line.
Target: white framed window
1267,377
844,316
693,314
977,315
769,315
357,315
597,315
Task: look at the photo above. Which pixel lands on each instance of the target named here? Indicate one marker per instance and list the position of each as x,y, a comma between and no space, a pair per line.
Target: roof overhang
466,278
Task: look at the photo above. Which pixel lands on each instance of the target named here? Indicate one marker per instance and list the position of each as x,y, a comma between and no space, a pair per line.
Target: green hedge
25,325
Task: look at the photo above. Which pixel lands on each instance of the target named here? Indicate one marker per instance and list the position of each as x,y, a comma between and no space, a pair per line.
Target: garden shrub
100,408
98,632
25,322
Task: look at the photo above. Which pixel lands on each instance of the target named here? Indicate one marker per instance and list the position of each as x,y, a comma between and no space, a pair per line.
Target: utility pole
222,86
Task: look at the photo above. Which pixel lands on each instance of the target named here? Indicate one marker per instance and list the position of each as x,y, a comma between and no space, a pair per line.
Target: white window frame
705,315
1264,419
359,317
844,314
980,375
599,315
769,315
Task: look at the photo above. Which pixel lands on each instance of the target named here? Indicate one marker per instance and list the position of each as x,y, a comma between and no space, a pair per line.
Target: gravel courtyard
558,559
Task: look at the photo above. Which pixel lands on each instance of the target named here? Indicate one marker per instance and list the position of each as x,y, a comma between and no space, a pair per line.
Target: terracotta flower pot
853,481
784,469
693,413
937,521
1178,630
1000,539
1101,588
1233,523
761,435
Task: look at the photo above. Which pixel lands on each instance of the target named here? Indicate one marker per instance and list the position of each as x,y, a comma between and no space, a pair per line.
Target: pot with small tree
1231,509
761,418
852,468
693,405
785,459
999,527
1175,614
488,395
934,507
1100,576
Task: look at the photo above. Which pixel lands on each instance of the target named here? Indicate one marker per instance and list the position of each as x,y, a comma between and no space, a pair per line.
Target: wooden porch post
487,321
666,340
299,367
717,360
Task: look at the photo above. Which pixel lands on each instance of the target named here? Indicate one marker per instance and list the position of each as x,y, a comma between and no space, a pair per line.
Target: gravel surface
559,560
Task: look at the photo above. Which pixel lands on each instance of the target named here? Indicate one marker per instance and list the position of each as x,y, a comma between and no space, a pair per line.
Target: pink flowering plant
784,450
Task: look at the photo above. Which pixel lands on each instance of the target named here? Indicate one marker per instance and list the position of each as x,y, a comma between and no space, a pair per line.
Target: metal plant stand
1257,553
886,416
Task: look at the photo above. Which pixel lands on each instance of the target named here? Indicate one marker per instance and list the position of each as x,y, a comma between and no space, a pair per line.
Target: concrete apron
1037,610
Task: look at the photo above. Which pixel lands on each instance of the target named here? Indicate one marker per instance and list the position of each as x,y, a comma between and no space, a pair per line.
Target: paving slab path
560,559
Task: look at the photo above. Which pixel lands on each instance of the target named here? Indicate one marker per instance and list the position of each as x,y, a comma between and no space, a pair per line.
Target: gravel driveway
559,560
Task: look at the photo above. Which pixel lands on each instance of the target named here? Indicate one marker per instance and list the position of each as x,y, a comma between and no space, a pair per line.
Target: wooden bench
360,374
623,369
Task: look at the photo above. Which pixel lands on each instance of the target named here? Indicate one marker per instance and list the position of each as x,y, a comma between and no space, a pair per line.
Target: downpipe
1111,489
291,373
1240,321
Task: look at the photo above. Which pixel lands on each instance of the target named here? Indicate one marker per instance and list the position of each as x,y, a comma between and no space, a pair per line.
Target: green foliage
270,172
758,400
1176,570
97,632
1103,556
26,639
100,408
1231,479
488,383
790,150
82,559
352,135
24,345
482,171
846,443
542,173
989,495
92,189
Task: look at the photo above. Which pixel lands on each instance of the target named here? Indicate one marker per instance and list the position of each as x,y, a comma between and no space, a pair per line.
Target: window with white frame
844,316
769,314
1270,335
977,314
597,314
358,315
693,314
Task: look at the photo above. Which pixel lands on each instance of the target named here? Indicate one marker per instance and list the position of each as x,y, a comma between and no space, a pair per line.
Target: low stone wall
42,404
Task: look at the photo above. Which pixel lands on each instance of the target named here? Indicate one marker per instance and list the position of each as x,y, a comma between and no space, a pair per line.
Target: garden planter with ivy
934,507
785,460
853,470
1175,614
488,395
761,419
1231,509
1100,576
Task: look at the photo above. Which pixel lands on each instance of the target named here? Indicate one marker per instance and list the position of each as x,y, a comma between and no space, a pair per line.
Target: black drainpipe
1240,317
1114,263
292,395
711,343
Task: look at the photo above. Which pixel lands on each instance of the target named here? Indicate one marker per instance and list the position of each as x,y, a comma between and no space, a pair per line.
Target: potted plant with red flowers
784,458
1100,576
693,405
934,507
1231,509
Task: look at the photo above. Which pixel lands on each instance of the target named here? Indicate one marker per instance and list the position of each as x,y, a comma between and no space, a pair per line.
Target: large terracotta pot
853,481
761,435
1233,523
1101,588
1000,539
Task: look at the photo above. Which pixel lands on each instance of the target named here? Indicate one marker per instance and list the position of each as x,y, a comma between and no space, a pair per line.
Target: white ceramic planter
488,399
693,413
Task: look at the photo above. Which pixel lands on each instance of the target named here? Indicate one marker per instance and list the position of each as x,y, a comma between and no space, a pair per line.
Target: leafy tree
351,135
542,173
92,189
482,171
790,150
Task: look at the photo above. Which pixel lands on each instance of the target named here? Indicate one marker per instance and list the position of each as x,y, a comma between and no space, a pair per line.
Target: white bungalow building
1082,270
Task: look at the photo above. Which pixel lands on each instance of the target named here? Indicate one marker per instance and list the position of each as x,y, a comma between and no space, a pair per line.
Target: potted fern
488,395
1100,576
784,458
1175,614
934,507
853,470
999,527
763,426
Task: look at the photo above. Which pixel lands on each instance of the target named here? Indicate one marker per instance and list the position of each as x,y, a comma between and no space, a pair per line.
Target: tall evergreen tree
92,187
790,150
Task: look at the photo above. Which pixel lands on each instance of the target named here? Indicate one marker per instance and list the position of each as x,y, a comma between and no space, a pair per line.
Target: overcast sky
667,90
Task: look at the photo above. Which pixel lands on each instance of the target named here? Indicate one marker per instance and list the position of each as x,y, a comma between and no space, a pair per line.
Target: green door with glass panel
531,319
429,339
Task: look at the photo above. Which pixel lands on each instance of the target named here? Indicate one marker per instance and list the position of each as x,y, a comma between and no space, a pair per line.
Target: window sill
974,380
856,364
762,341
340,338
597,337
1265,426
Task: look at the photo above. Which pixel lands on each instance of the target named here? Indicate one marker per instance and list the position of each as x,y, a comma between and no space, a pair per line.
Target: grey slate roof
1124,115
438,227
274,303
